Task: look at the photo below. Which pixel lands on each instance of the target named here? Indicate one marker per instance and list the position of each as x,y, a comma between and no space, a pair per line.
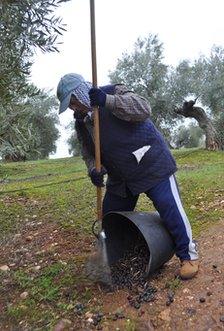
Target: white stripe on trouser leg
191,247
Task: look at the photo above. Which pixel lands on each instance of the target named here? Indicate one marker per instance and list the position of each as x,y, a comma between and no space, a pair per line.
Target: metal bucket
126,230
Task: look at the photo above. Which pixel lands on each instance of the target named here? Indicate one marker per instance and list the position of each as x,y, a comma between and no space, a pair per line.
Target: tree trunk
189,110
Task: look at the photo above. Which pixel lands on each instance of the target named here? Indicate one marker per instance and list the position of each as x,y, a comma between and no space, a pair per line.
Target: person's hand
97,176
97,97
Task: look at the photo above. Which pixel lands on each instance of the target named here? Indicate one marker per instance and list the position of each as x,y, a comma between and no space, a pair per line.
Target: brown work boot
189,268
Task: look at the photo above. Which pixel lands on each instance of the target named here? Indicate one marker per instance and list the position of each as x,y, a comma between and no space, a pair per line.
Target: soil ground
198,304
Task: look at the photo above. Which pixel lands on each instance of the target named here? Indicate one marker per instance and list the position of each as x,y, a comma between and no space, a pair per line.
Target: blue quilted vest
119,139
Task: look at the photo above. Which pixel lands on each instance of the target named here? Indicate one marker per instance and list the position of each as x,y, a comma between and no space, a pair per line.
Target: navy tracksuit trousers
166,199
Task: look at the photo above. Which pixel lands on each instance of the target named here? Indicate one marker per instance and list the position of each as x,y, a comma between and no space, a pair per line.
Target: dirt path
197,304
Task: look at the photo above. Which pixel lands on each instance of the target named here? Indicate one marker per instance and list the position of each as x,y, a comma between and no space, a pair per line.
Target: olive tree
29,131
201,81
24,26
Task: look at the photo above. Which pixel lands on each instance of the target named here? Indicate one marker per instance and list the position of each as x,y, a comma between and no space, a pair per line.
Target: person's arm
97,177
86,154
128,105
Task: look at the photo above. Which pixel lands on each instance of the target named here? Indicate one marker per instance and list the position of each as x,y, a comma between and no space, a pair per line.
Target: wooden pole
95,109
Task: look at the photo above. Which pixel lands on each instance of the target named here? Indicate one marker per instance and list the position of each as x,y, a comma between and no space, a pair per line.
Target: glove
97,176
97,97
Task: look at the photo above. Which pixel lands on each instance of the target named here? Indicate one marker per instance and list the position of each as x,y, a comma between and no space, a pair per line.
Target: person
134,155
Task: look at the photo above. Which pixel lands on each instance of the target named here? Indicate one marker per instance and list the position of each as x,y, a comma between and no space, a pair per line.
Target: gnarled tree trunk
189,110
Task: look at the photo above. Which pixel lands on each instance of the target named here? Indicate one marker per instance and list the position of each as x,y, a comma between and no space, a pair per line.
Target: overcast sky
186,28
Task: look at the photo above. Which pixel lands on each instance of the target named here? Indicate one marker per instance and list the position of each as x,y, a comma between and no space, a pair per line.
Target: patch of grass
68,194
196,156
174,284
28,313
130,325
48,285
42,287
31,169
11,216
201,192
69,198
46,298
23,279
60,191
17,311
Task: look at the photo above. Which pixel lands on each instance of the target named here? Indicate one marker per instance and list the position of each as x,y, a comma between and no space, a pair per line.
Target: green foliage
146,72
201,78
43,119
188,137
24,25
166,87
204,79
209,72
143,71
28,129
28,125
74,146
179,83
